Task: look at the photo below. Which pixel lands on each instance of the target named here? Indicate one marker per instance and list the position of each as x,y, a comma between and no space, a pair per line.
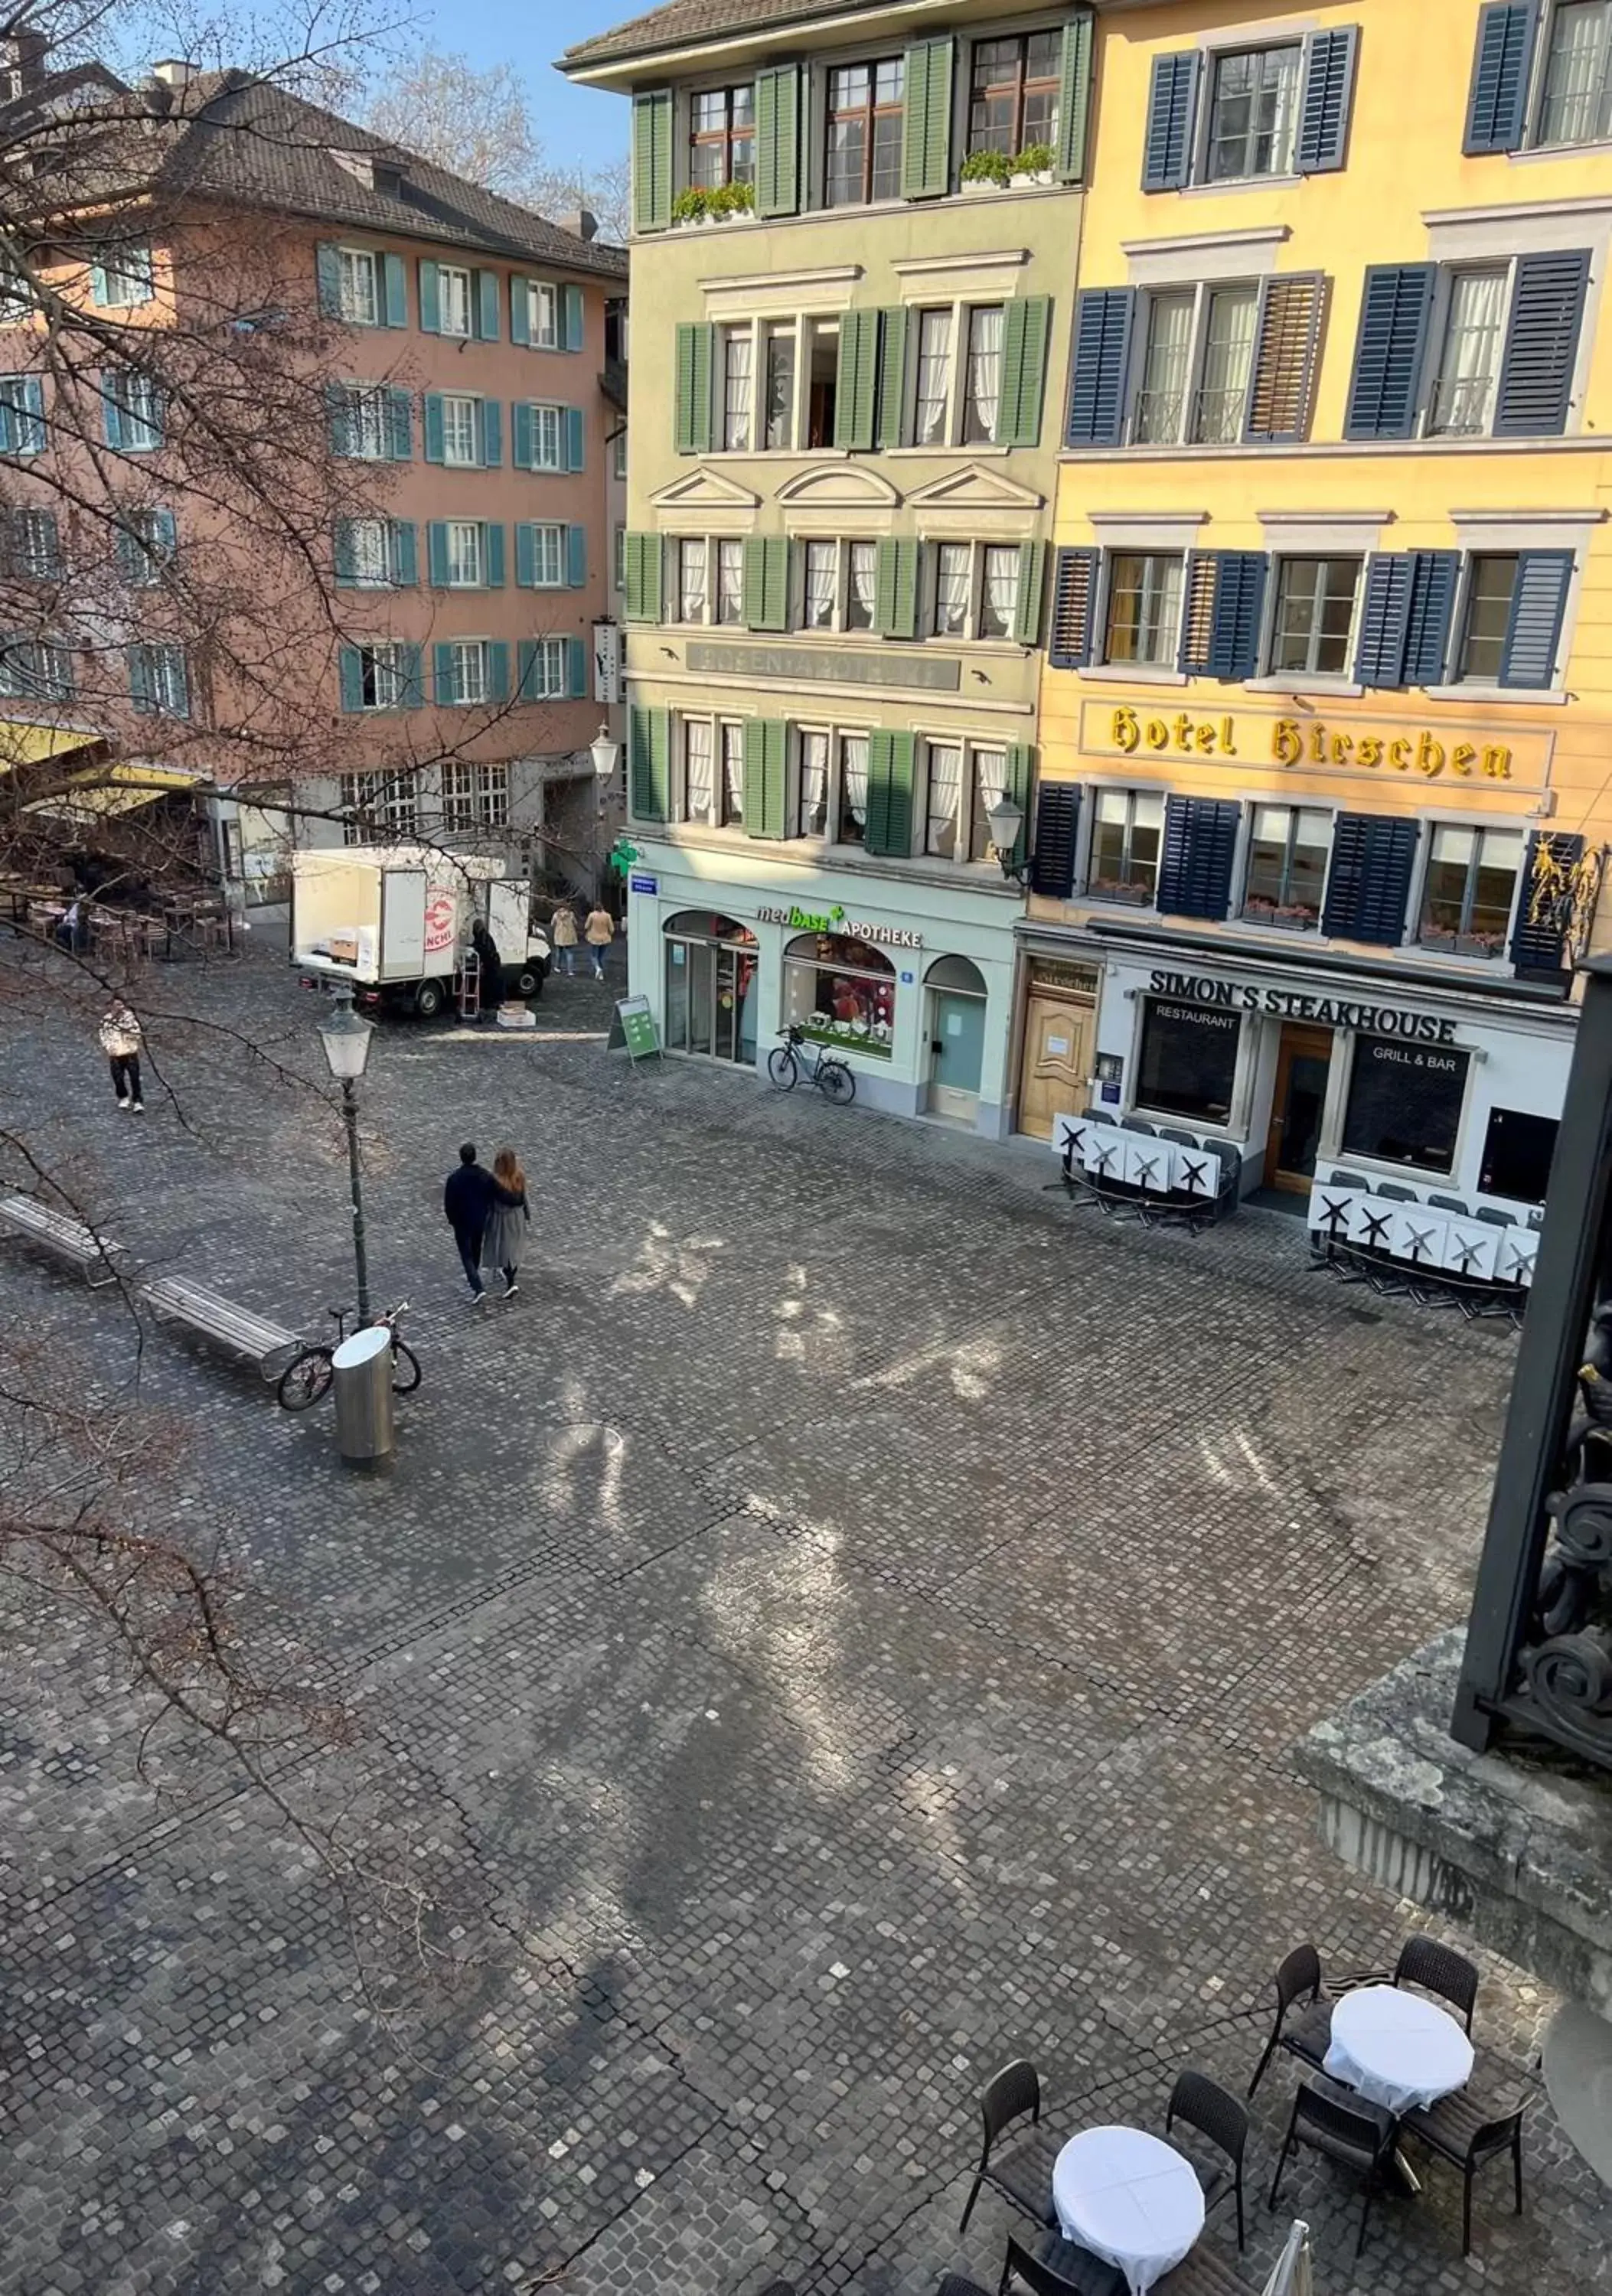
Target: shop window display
841,992
1405,1103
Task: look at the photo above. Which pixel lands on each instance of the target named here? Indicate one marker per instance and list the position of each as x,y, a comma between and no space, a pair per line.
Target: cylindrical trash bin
363,1369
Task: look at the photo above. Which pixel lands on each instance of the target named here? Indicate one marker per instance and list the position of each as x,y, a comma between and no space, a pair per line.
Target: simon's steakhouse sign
1297,1005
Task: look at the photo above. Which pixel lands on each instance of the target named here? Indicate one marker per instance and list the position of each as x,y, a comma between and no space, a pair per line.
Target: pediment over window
976,487
839,485
705,490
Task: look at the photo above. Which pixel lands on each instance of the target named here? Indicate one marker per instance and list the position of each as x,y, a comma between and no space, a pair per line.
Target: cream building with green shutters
853,262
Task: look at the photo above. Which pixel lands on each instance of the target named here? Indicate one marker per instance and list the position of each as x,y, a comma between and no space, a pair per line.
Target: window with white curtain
983,392
990,781
691,581
998,589
459,431
944,790
737,347
822,567
1468,369
733,774
730,582
1576,104
699,784
1166,358
1227,358
813,817
464,554
852,826
953,567
934,378
862,560
1197,354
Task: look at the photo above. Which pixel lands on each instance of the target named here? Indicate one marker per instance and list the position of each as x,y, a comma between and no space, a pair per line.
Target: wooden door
1304,1061
1056,1069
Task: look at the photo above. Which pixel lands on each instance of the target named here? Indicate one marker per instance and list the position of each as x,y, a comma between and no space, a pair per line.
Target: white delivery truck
394,920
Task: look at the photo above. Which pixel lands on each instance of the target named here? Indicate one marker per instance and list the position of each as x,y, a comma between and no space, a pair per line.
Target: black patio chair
1469,2133
952,2283
1355,2135
1397,1194
1449,1204
1204,2105
1439,1969
1342,1179
1493,1219
1136,1124
1006,2097
1307,2038
1066,2269
1204,2273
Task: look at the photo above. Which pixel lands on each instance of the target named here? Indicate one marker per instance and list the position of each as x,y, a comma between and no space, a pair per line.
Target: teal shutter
345,557
444,684
399,425
405,554
97,285
576,557
693,411
576,669
926,121
1386,385
648,762
139,677
574,449
1171,105
520,313
526,554
492,556
777,140
895,331
1542,345
1074,97
497,669
1027,593
411,676
1018,762
490,428
24,415
891,760
1024,330
352,678
484,305
526,670
521,435
327,265
1323,112
572,318
895,587
433,426
856,384
436,553
394,297
1539,601
652,125
431,300
338,408
1497,101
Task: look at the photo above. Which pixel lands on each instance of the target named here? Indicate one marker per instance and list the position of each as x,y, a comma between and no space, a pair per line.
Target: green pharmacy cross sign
621,857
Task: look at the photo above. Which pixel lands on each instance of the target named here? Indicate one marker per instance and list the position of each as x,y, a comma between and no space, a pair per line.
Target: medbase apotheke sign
836,921
1298,1005
1379,748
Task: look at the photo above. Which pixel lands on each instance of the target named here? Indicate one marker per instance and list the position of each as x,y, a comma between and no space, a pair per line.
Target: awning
34,745
113,790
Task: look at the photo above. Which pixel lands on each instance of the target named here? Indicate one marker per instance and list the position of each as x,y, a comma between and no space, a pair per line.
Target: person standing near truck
492,970
563,928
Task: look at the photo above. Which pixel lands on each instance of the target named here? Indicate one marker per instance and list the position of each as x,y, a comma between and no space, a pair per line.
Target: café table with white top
1130,2199
1396,2048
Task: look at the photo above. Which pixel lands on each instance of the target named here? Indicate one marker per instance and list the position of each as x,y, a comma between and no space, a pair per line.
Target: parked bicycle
796,1059
309,1375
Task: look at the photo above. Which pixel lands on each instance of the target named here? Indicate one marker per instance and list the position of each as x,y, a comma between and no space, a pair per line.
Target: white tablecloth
1130,2199
1396,2048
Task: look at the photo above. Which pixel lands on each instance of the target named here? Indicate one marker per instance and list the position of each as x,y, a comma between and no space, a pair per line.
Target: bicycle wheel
782,1069
405,1369
837,1083
305,1379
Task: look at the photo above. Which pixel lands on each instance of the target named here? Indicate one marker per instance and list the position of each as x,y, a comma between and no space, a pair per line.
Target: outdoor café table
1130,2199
1397,2049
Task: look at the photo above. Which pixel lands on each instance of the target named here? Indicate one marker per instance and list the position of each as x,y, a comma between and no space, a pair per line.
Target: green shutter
695,346
894,327
766,583
327,265
651,161
484,299
497,669
649,761
1023,370
411,678
766,777
572,319
1019,758
431,300
642,589
395,290
856,383
435,449
926,121
444,682
895,588
352,678
345,554
520,323
777,140
1027,598
889,776
436,552
1074,97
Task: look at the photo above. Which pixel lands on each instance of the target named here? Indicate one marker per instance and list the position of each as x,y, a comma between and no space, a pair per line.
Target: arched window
956,972
842,992
707,924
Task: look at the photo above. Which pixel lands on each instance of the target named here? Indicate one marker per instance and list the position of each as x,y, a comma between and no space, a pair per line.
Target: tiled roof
681,21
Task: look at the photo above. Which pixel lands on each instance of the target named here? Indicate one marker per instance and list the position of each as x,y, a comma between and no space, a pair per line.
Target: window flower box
1284,917
699,208
1120,888
1487,946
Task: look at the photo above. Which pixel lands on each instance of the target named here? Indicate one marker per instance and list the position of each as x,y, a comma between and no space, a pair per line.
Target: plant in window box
987,171
699,204
1291,917
1032,165
1122,888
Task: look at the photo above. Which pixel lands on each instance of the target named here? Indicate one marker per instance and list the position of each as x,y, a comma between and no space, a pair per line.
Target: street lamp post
1005,820
345,1037
606,753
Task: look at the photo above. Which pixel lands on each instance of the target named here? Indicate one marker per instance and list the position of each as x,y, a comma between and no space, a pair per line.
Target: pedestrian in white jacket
120,1042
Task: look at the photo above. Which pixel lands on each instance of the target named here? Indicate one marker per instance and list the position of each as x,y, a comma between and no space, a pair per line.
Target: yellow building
1324,774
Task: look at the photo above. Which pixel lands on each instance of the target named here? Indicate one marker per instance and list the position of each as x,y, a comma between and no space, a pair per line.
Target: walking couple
486,1212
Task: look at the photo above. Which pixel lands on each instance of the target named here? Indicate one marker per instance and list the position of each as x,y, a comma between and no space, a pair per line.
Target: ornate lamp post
1005,820
345,1037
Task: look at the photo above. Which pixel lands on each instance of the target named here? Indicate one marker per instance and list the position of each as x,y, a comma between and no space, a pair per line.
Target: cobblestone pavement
844,1623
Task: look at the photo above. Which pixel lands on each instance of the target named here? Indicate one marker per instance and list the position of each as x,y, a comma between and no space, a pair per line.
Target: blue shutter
1539,943
1434,576
497,669
1323,118
399,425
1379,648
165,536
1497,101
1384,388
1542,345
394,296
1368,883
1103,319
111,413
1058,815
1171,104
484,305
346,565
520,311
411,676
433,426
405,553
1539,601
338,408
30,416
576,671
576,556
139,677
489,424
519,435
97,285
328,264
526,554
436,552
1073,588
492,556
352,678
573,448
526,671
445,685
1195,866
571,319
431,300
1236,616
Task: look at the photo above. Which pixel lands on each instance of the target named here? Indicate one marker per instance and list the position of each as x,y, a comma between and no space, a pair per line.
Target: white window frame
1438,326
1227,52
542,295
161,657
132,268
1294,806
730,418
352,263
820,544
29,527
683,543
463,284
618,448
462,554
1201,291
1144,669
706,812
547,432
384,801
368,422
459,426
1131,790
729,550
470,653
381,530
618,557
549,550
547,683
474,796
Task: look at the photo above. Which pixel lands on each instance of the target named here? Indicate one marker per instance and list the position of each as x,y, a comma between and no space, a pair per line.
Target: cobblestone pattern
844,1622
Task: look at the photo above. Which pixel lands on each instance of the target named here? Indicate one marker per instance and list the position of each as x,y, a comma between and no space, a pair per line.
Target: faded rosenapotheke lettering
1298,742
1296,1005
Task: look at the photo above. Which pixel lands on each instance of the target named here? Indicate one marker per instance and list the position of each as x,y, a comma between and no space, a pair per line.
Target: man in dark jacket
492,970
467,1198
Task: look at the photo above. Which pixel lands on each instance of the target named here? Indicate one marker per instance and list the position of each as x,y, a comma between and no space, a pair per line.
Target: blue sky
578,124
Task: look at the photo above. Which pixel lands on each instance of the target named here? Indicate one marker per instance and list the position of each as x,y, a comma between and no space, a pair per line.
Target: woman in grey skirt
510,1213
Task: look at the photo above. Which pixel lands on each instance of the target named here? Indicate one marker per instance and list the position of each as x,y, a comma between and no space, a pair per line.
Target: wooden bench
268,1345
58,1231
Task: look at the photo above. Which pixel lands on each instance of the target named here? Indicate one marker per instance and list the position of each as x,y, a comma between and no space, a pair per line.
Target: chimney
581,223
22,58
175,71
